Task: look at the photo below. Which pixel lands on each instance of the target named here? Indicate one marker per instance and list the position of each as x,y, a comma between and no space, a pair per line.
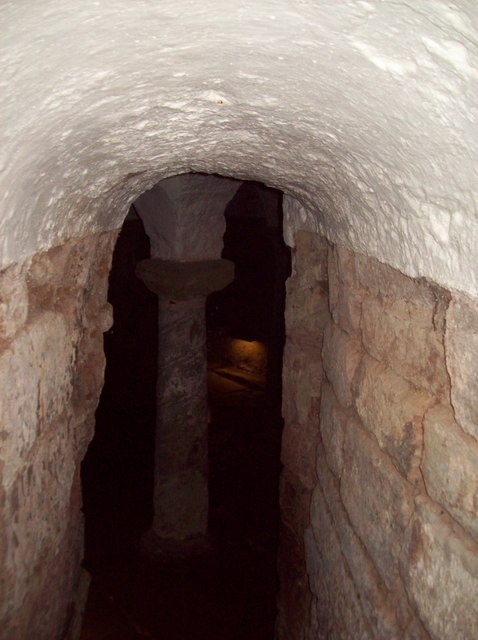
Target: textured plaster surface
363,112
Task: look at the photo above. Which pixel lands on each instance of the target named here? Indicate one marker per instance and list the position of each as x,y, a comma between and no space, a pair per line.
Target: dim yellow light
252,350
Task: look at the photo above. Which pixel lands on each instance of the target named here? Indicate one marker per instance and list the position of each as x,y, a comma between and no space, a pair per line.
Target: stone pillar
181,456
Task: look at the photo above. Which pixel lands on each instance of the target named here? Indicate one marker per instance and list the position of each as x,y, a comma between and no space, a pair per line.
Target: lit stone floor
229,594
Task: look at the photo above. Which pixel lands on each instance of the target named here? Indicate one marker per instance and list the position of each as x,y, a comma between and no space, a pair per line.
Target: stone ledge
185,280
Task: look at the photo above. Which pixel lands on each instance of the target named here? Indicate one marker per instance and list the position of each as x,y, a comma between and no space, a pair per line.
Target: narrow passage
229,593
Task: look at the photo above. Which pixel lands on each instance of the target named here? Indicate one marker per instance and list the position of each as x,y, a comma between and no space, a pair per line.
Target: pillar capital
185,280
183,216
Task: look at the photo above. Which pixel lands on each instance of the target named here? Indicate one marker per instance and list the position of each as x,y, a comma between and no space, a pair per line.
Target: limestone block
450,467
344,293
13,301
334,280
321,611
35,378
439,565
310,258
347,271
307,310
383,281
414,630
73,280
299,451
387,612
339,605
302,380
333,424
341,355
405,334
294,503
19,379
461,358
347,310
38,515
87,378
373,593
378,500
392,410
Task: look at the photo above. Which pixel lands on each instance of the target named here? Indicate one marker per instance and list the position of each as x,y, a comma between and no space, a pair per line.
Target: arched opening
231,590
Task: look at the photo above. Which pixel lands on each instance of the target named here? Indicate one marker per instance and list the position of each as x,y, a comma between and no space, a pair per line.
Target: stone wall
379,534
53,311
379,489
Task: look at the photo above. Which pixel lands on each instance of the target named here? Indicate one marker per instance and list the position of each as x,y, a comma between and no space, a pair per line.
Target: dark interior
229,592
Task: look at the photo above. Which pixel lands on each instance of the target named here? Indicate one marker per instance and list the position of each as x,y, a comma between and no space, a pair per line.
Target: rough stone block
461,340
302,382
35,377
307,306
393,411
333,424
450,467
310,257
373,593
18,406
341,355
347,272
383,281
439,565
406,336
38,513
334,281
294,503
307,309
339,605
378,500
299,451
345,298
13,301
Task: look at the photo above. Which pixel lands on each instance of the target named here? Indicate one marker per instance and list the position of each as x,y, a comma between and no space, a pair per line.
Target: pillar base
168,549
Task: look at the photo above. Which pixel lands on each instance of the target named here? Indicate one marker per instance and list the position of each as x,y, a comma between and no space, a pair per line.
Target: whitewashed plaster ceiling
364,112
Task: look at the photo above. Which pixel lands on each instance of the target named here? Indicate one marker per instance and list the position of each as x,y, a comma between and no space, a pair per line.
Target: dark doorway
230,592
